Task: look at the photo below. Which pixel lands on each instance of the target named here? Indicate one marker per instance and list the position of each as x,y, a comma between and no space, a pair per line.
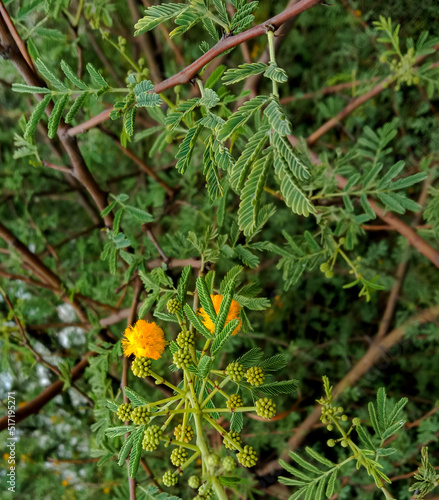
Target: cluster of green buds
332,416
402,68
179,421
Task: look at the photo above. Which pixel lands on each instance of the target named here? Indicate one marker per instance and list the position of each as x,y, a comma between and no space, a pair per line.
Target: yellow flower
107,490
144,339
234,311
65,483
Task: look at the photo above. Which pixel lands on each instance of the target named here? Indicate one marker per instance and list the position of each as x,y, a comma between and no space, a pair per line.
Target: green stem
270,35
161,380
242,409
215,390
223,433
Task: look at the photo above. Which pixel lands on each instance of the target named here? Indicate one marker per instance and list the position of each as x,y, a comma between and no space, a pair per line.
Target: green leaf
366,206
293,196
251,152
123,453
393,172
215,76
79,101
273,72
286,151
391,202
251,357
135,398
205,300
36,116
96,76
242,72
204,366
56,115
373,419
236,421
277,388
408,181
139,214
196,322
185,150
185,21
156,15
396,410
251,195
319,458
277,119
274,363
303,463
136,452
241,117
70,74
120,430
229,480
222,337
246,256
174,118
48,75
147,303
331,484
30,89
129,120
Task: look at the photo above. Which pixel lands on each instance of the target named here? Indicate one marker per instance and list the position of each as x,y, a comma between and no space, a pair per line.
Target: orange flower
144,339
234,311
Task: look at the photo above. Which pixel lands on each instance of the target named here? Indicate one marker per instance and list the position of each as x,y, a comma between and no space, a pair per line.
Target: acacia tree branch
186,74
47,395
375,352
124,380
10,50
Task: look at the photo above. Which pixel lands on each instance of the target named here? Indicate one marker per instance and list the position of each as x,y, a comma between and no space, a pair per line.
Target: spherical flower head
235,371
144,339
124,411
247,457
179,456
151,438
205,491
229,464
234,436
140,415
194,482
188,433
186,339
255,376
141,367
170,478
265,408
213,460
235,401
173,306
234,313
182,358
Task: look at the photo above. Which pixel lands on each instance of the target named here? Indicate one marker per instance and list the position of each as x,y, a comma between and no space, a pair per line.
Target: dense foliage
219,249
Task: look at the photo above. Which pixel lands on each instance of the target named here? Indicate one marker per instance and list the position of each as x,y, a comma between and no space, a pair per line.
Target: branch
375,352
186,74
47,395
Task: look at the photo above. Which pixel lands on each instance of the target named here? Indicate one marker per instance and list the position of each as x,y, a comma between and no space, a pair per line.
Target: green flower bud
235,401
247,457
416,80
265,408
186,339
330,427
356,421
174,306
179,456
330,443
235,371
151,438
124,412
188,433
182,358
344,418
140,415
205,492
255,376
141,367
344,443
194,482
213,460
234,436
228,464
170,478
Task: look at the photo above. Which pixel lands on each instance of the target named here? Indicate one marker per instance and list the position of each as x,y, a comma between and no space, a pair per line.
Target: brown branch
124,381
352,106
409,234
375,352
139,161
186,74
47,395
17,39
10,50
